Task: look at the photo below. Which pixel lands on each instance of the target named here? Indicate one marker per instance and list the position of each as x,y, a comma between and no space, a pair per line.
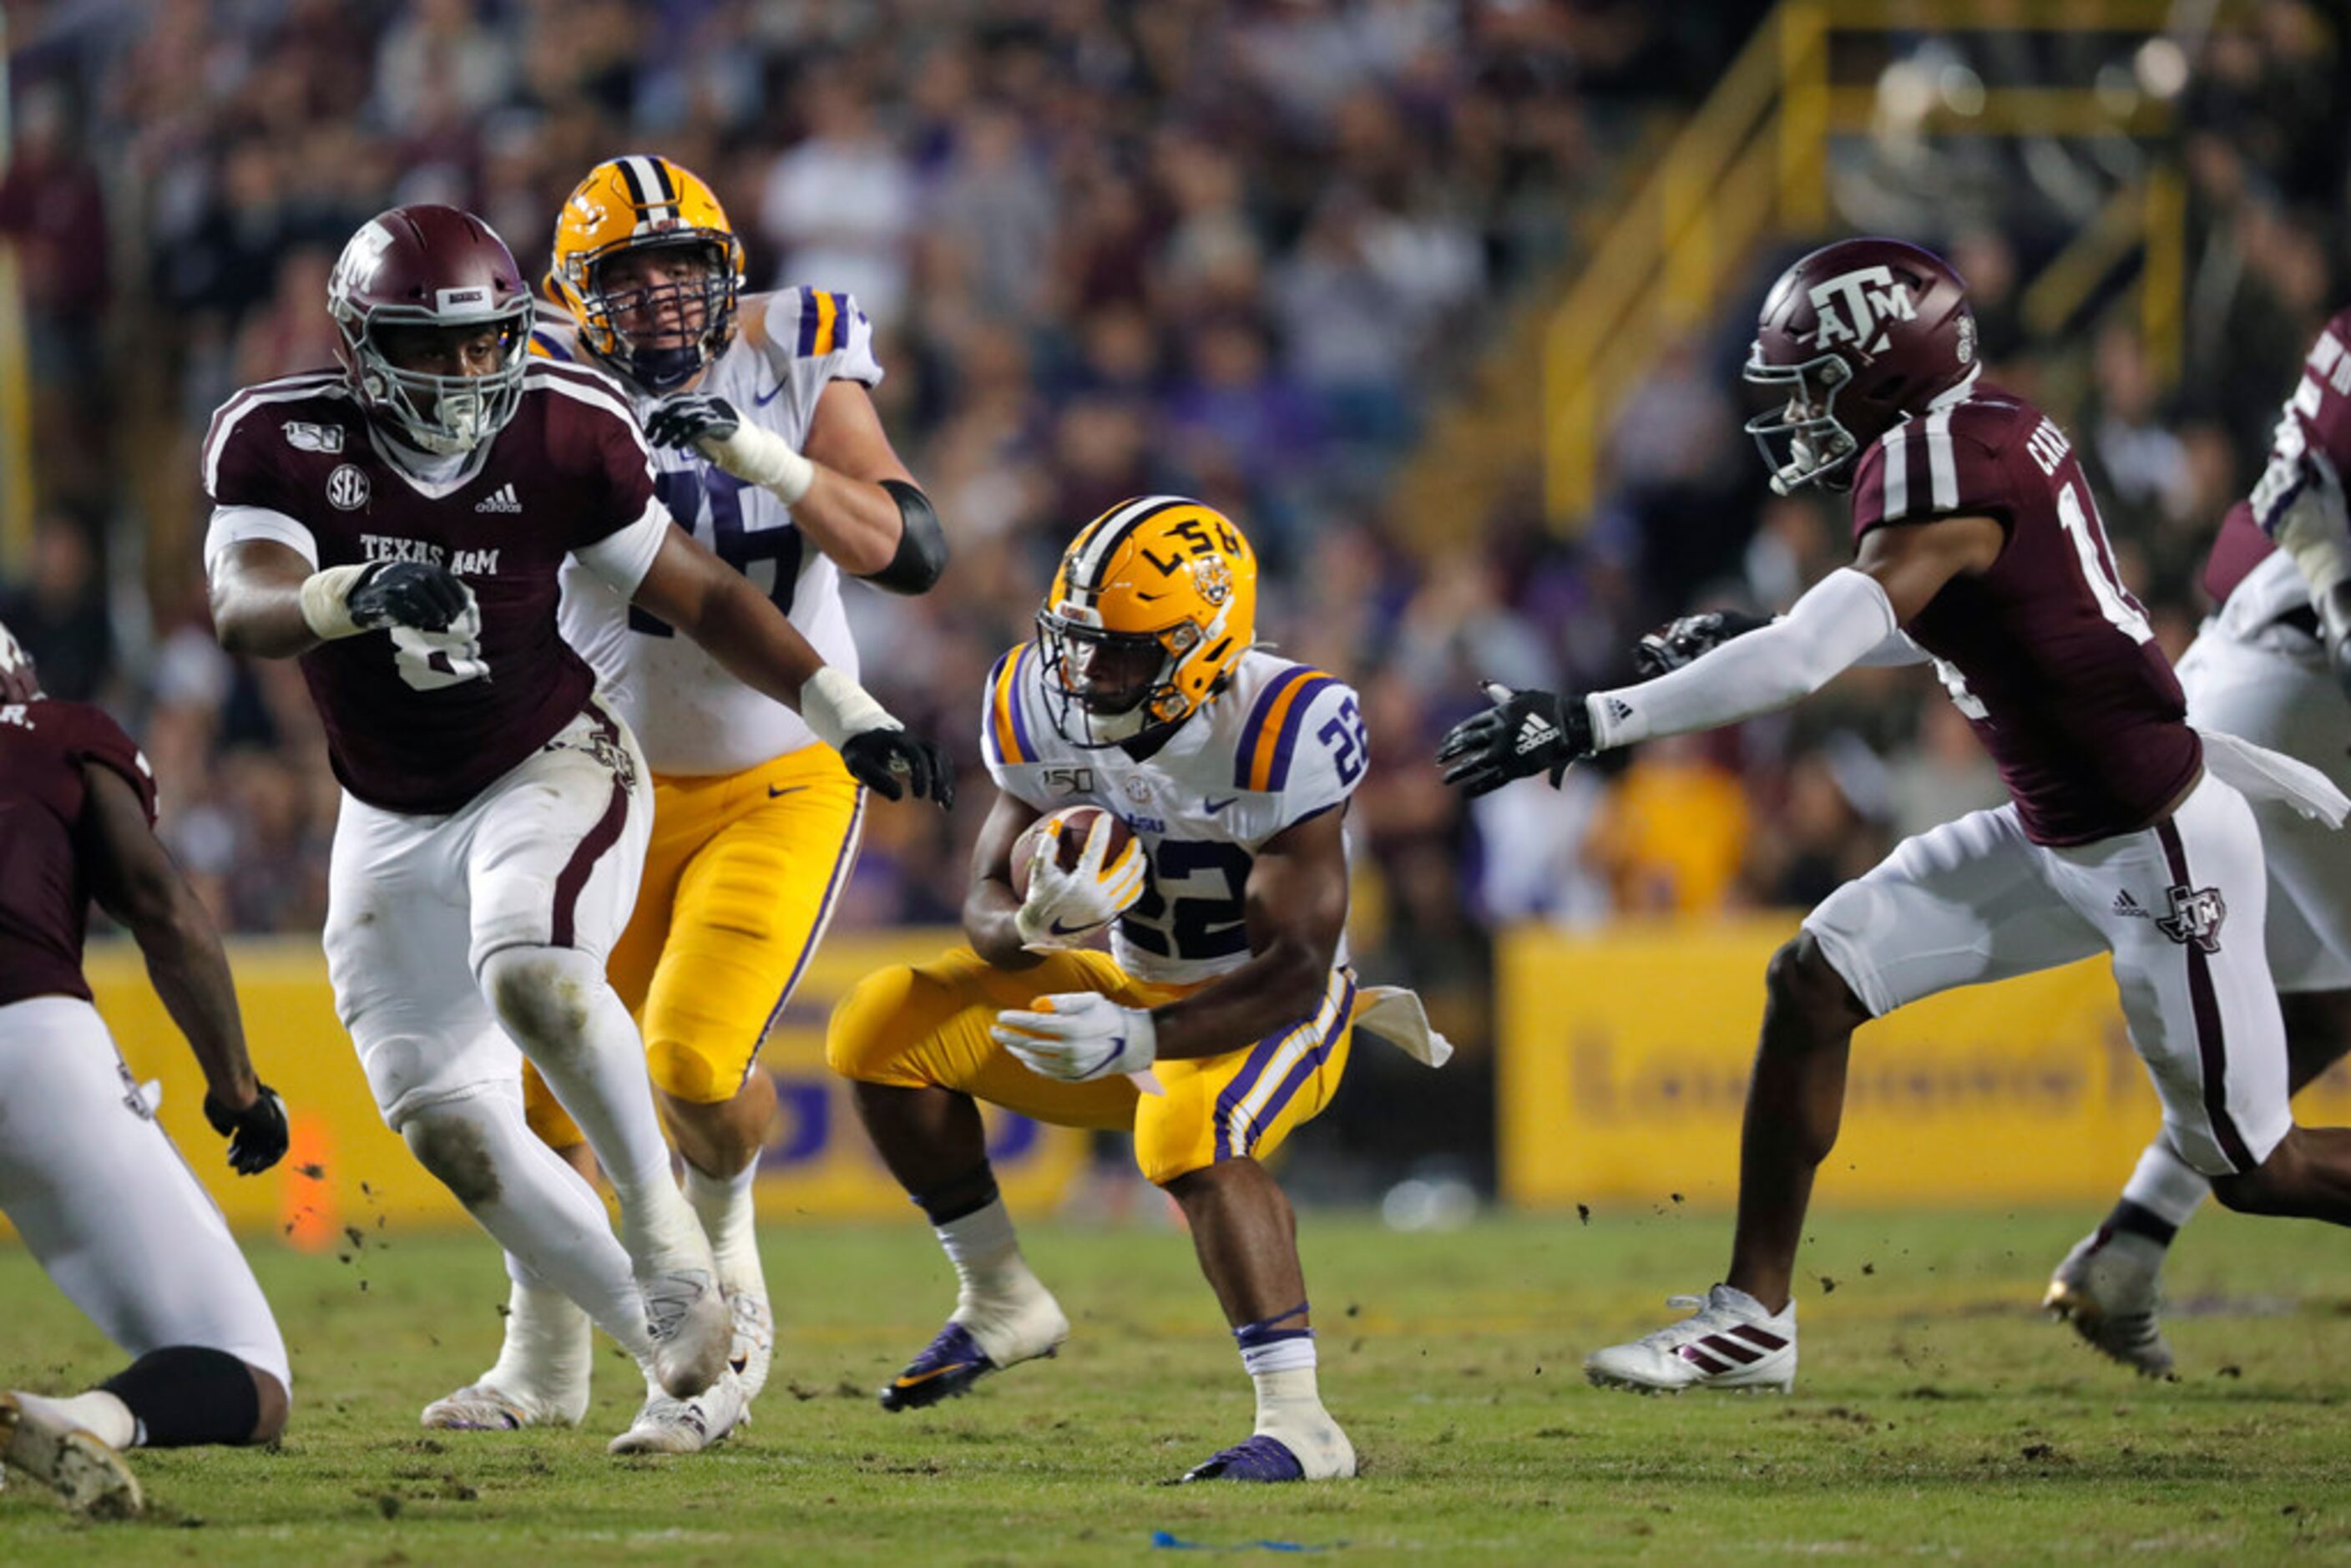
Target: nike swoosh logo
1213,806
761,400
774,793
1061,930
905,1382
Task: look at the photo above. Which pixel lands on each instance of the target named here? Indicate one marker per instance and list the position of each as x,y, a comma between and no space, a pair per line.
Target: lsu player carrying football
1222,1014
767,448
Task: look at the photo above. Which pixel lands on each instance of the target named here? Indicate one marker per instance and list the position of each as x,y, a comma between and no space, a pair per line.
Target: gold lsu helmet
641,202
1152,607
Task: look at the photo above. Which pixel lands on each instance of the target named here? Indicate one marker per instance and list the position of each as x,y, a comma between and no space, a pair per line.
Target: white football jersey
1283,742
689,714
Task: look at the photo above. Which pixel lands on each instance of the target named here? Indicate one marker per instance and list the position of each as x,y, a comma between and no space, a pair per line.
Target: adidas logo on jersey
1536,731
501,499
2131,908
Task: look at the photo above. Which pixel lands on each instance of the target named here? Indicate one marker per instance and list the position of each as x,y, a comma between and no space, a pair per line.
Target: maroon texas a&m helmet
1854,337
431,266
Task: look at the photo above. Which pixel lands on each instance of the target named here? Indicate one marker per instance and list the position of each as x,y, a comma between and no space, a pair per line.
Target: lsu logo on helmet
1153,606
658,336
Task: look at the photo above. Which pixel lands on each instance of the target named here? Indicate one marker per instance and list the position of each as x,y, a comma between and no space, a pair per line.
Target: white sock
731,1221
987,1254
102,1414
568,1021
539,1209
2167,1186
550,1347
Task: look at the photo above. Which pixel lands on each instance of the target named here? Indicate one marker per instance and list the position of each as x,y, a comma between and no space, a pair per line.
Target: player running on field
1978,546
97,1192
400,524
1227,989
2259,669
768,450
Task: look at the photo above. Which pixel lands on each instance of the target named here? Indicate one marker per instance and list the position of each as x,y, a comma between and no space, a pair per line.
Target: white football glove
1064,908
1078,1037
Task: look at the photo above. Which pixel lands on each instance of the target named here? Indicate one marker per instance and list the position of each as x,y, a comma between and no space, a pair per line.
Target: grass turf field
1936,1414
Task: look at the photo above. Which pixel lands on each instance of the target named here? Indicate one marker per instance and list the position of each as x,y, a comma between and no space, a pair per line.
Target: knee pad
684,1073
542,994
870,1037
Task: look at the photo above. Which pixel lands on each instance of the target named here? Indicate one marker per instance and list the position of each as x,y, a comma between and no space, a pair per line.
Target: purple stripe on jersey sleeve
553,345
1012,700
1244,753
1292,723
808,325
987,716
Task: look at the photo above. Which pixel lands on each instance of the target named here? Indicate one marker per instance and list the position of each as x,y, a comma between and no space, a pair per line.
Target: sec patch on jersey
1073,824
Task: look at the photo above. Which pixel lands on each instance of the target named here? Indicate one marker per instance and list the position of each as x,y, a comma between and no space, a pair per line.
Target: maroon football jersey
2048,655
406,730
2318,415
44,886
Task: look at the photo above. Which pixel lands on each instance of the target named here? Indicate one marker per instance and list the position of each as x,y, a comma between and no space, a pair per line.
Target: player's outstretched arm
991,911
267,602
741,628
1296,910
848,491
1842,621
136,883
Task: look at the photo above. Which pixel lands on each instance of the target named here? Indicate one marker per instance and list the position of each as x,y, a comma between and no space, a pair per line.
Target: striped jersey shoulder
1273,697
1950,459
554,335
1012,725
811,323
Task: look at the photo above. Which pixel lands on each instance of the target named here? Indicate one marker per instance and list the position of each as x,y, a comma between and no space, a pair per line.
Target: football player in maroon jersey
398,525
89,1180
1976,546
2260,669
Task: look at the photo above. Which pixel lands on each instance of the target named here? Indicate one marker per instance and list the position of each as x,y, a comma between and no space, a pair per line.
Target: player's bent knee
683,1073
276,1406
2280,1185
452,1147
1800,978
541,994
868,1038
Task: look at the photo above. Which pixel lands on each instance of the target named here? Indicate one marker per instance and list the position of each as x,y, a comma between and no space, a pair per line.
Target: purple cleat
1261,1459
948,1366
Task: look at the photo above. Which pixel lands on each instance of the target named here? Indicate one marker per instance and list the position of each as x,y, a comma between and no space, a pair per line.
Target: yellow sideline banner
346,1171
1624,1059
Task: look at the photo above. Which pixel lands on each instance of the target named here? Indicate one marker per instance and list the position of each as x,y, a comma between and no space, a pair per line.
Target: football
1076,822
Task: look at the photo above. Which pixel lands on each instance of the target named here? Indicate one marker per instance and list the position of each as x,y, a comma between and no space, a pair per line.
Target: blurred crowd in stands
1237,248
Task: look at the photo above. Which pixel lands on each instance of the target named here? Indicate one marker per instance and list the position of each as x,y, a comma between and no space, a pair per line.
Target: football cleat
91,1478
978,1340
692,1329
1262,1458
753,1351
485,1407
1728,1341
672,1426
2109,1288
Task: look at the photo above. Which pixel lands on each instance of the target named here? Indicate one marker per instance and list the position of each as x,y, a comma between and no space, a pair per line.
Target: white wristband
763,458
325,602
837,708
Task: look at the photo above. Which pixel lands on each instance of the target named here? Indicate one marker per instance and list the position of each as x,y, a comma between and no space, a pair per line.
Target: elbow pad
922,544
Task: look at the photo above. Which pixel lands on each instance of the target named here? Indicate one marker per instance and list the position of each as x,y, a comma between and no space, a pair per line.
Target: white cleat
1728,1341
692,1329
670,1426
753,1350
485,1407
91,1478
2109,1288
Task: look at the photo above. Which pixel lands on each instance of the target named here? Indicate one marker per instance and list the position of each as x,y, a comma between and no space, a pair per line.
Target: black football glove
1677,643
891,762
1521,735
256,1135
684,418
407,593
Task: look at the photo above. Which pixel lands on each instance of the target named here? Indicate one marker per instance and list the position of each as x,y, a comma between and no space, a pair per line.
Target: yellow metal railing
1751,166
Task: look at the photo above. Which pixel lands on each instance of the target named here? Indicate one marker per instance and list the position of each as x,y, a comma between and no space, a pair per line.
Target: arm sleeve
621,557
1843,617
